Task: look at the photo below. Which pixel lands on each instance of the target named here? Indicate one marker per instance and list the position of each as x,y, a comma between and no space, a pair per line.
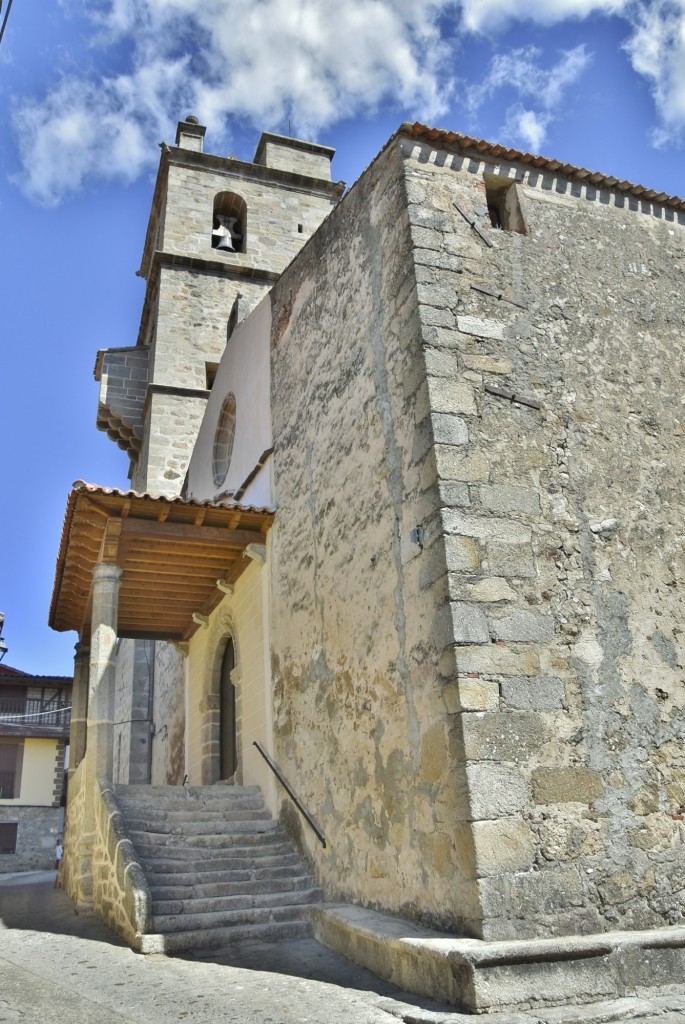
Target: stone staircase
219,868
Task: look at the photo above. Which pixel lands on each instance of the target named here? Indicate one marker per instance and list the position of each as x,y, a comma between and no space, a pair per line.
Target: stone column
105,593
79,705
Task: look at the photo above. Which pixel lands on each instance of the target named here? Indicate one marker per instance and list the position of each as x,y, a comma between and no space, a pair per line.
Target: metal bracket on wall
511,396
472,224
500,296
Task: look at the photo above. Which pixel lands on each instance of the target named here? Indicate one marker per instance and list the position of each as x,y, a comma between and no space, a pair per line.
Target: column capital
106,572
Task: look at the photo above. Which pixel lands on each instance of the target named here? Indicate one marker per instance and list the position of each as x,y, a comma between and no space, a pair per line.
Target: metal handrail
310,821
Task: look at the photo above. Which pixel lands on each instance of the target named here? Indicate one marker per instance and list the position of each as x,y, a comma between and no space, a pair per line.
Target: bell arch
229,222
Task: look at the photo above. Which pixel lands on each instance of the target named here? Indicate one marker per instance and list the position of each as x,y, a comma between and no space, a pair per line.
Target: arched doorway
227,719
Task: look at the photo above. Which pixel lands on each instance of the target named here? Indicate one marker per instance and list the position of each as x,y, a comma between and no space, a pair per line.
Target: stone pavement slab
60,968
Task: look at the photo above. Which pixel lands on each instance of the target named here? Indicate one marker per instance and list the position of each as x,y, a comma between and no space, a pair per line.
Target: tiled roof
443,137
95,489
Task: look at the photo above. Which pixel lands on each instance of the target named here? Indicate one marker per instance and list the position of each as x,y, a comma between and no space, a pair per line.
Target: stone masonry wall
560,538
100,871
360,724
274,211
37,832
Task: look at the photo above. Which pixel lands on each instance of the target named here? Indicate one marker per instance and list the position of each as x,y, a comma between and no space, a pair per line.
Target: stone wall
561,533
168,742
132,719
37,831
276,206
360,721
100,871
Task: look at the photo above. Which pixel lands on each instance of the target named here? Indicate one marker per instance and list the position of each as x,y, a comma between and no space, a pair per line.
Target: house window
8,837
229,222
11,757
503,204
223,440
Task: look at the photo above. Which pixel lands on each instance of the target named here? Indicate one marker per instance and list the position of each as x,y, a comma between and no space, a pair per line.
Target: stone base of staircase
478,976
218,867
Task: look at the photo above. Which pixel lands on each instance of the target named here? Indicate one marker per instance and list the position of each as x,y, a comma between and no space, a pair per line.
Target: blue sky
89,87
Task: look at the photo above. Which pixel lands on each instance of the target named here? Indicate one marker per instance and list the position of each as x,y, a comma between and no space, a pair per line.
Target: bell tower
221,231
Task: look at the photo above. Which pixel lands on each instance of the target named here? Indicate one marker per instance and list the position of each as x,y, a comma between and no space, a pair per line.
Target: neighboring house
34,734
407,513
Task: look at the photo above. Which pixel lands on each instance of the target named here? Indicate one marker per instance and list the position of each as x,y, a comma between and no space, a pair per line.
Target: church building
398,581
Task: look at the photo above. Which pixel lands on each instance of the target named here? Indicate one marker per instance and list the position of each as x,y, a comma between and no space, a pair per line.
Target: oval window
223,440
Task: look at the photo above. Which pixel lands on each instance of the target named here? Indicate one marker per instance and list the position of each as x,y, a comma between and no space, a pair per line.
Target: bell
225,243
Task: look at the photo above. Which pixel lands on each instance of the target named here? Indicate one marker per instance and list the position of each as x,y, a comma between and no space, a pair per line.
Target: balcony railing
35,713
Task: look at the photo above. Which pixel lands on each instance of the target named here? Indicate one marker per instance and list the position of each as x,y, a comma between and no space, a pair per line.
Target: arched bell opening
229,222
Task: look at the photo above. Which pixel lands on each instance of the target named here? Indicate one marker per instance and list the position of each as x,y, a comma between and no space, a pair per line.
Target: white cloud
526,126
258,60
657,51
491,15
521,71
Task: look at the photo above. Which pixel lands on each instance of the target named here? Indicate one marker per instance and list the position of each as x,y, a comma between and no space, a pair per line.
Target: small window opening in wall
8,837
210,374
229,222
504,209
299,229
223,440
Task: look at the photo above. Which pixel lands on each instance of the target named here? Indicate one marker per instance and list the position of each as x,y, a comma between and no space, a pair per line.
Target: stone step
153,815
246,859
166,923
194,889
174,872
219,938
267,831
189,909
192,824
245,845
185,796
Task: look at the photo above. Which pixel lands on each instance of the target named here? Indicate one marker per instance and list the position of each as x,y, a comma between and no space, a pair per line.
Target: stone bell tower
221,231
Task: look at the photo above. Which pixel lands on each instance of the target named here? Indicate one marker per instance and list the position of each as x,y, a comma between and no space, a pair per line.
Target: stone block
496,736
476,694
504,499
522,626
495,791
454,493
485,528
462,554
469,624
539,693
452,464
513,560
481,328
486,364
491,590
498,659
453,396
448,429
502,846
563,785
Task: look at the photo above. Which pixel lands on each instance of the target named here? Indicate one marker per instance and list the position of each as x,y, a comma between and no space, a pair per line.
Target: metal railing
35,712
274,768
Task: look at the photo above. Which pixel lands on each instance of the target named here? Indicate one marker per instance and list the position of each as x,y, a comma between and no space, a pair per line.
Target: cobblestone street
57,966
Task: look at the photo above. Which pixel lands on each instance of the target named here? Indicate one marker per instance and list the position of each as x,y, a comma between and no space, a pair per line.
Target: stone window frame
222,631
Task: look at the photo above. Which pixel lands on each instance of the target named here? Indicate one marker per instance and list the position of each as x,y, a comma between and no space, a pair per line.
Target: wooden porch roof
172,552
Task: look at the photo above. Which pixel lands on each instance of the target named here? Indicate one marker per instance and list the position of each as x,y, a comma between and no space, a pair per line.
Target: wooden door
229,749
